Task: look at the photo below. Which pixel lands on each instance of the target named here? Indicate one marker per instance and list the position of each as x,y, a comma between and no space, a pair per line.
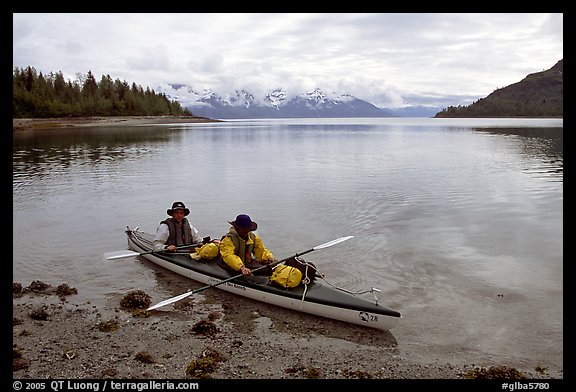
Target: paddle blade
170,300
333,242
119,254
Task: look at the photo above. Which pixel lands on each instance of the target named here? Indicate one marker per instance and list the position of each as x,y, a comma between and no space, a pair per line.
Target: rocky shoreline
56,336
31,124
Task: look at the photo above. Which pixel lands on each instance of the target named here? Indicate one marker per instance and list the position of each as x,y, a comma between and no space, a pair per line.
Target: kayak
317,298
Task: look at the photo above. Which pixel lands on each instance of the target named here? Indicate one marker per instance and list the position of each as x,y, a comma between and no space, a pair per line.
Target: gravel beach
216,336
64,339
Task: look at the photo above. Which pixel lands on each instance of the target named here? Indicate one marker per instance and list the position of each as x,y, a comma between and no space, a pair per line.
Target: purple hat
178,205
244,221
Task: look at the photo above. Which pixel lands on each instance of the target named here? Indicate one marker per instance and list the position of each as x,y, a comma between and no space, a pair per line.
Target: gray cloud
388,59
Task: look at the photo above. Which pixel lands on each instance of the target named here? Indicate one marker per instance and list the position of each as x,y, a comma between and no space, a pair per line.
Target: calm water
458,222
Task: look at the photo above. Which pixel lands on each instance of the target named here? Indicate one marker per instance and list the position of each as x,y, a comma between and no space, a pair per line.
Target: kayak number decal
365,316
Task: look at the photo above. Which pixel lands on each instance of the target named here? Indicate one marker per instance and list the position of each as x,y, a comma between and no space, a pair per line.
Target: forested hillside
43,96
540,94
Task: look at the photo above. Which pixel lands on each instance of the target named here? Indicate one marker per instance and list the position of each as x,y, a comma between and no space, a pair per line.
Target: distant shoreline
31,124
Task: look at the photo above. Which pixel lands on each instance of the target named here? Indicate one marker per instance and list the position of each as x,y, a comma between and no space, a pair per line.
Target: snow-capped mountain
275,98
275,104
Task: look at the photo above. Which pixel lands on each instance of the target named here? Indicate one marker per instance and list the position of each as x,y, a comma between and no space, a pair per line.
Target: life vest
241,249
178,236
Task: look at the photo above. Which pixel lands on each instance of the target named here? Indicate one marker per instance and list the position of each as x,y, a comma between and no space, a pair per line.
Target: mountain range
538,95
278,104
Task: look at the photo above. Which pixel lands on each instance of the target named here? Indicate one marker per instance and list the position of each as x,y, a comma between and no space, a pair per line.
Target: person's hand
245,271
171,248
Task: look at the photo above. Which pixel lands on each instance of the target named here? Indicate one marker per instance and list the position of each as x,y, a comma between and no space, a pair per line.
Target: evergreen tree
34,95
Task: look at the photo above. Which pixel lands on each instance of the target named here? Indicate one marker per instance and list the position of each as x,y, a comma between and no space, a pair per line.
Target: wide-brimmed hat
243,221
178,205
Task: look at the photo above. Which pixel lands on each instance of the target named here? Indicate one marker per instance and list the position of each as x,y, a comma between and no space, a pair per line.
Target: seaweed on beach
203,367
64,290
205,327
144,357
310,373
40,287
37,286
18,361
494,372
313,373
108,326
39,314
357,374
135,300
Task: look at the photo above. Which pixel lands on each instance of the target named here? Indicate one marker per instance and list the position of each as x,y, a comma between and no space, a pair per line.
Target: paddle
182,296
128,253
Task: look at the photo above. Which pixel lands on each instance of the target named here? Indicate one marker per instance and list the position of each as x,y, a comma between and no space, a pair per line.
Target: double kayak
317,298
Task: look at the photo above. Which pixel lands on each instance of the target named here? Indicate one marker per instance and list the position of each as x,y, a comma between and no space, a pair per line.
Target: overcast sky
386,59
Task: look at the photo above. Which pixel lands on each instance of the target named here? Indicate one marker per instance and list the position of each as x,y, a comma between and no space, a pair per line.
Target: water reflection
541,148
53,150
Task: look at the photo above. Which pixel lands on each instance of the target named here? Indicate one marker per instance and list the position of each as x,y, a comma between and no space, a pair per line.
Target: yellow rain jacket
235,251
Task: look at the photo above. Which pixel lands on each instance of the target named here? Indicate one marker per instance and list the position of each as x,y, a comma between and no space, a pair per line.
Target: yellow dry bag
206,252
286,276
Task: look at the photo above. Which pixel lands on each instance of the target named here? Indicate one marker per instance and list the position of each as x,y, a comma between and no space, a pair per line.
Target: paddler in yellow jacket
242,249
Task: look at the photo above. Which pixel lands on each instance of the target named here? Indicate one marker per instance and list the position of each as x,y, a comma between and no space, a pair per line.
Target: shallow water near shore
458,222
